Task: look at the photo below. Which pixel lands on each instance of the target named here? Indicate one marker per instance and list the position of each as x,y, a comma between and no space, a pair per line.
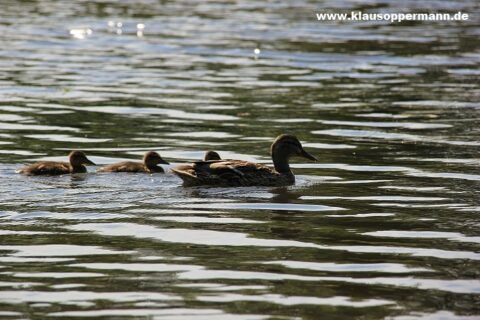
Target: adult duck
149,164
226,173
75,164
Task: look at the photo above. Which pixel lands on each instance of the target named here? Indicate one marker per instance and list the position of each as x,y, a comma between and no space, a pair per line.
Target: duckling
243,173
76,159
211,155
149,165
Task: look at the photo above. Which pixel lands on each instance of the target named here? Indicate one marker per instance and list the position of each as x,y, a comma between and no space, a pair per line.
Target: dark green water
385,226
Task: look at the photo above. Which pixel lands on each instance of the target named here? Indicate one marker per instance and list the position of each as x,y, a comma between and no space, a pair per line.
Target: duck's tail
187,177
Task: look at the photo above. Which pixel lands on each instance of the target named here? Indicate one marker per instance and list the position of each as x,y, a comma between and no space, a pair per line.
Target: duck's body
130,166
77,159
223,173
148,165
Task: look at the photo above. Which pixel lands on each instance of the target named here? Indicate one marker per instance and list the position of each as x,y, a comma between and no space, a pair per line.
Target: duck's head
78,158
286,146
211,155
152,158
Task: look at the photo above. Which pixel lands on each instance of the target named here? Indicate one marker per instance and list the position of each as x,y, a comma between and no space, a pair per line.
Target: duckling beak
163,161
307,155
86,161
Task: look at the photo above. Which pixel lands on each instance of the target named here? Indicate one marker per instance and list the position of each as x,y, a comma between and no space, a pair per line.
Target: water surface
384,226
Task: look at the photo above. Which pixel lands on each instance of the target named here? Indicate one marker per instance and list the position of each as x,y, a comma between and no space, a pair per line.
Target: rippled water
385,226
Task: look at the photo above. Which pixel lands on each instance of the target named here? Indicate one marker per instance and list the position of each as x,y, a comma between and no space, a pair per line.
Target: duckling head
78,158
211,155
152,158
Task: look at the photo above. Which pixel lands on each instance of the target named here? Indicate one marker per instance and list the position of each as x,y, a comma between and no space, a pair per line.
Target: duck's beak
307,155
163,161
86,161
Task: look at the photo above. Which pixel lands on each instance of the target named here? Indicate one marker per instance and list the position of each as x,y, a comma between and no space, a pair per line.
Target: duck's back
125,166
230,173
46,168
